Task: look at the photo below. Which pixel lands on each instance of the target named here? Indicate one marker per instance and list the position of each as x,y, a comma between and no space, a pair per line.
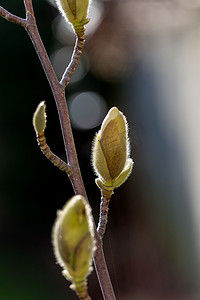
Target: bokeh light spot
87,110
61,58
62,31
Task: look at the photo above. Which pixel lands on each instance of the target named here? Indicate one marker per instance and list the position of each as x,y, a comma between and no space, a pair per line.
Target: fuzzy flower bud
39,118
73,240
75,11
110,152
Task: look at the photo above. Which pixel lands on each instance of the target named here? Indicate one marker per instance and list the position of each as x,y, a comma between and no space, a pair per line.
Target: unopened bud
39,118
73,240
75,11
110,153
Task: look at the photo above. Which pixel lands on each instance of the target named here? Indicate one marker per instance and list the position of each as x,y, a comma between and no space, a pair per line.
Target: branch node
28,12
56,161
12,18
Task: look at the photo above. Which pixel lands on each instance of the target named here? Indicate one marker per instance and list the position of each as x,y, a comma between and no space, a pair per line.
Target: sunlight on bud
74,11
63,31
110,152
39,118
73,240
87,110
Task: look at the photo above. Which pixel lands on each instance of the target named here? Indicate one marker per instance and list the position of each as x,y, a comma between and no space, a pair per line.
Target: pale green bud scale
73,239
99,160
112,138
110,152
39,118
124,174
75,11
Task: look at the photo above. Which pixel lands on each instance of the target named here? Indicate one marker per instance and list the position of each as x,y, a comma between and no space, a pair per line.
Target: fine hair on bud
111,149
73,239
74,11
39,117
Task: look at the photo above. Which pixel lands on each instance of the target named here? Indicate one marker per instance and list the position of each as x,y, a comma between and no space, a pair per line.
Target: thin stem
104,207
75,177
74,61
102,272
12,18
81,290
59,163
103,219
59,96
84,297
28,7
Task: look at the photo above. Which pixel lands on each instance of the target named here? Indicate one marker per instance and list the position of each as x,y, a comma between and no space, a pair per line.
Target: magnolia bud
73,240
39,118
75,11
110,152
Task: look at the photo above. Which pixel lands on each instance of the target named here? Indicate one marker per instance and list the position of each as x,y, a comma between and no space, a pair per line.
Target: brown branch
102,272
59,163
28,7
12,18
76,179
59,96
74,61
103,218
58,91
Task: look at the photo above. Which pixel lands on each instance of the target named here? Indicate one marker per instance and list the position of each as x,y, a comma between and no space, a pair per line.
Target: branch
75,177
102,272
104,207
12,18
59,163
74,61
28,7
58,91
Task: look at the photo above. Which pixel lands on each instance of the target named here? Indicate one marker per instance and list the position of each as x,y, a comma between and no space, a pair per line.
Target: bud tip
39,117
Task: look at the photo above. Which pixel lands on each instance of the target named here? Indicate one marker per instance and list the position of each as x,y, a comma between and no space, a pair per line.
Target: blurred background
143,57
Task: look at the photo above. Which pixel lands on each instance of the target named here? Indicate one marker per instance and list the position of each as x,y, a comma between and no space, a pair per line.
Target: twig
103,219
74,61
59,96
102,271
59,163
12,18
28,7
58,91
81,290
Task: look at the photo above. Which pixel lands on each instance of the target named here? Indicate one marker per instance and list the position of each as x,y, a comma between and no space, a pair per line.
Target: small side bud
73,241
110,152
75,12
39,117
